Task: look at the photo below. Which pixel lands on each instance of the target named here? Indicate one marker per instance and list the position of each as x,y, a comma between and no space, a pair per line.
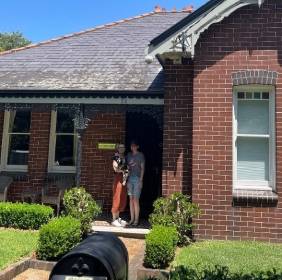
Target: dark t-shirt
134,163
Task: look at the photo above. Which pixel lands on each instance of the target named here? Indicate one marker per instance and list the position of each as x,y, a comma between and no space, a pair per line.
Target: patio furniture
5,182
62,184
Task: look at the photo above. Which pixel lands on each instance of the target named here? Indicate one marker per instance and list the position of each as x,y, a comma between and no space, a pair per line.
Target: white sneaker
116,223
122,222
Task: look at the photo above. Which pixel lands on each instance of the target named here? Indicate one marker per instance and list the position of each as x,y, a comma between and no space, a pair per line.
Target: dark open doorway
149,133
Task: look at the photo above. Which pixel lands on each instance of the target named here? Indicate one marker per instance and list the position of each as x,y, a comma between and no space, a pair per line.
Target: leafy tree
12,40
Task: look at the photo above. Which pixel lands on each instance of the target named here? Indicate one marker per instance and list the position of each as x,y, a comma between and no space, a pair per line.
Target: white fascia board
193,31
94,100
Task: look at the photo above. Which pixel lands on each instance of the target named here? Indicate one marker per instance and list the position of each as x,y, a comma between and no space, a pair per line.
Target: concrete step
127,232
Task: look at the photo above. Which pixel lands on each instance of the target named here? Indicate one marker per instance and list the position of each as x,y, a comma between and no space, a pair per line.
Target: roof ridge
70,35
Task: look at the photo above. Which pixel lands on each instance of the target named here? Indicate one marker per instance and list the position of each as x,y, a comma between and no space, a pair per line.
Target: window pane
241,95
253,117
19,121
65,150
18,149
64,122
253,159
265,95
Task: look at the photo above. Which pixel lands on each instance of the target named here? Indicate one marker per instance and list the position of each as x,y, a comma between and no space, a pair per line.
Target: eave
181,39
82,97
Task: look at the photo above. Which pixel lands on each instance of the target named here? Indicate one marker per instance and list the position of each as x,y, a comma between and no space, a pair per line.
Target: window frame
5,146
52,168
256,185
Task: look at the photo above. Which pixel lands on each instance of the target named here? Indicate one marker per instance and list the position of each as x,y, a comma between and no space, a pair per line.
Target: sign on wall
107,146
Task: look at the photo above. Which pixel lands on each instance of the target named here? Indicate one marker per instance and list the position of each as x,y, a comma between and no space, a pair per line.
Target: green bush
160,246
221,273
23,215
58,237
80,205
176,210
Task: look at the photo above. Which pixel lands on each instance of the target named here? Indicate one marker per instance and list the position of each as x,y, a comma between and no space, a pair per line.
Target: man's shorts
133,186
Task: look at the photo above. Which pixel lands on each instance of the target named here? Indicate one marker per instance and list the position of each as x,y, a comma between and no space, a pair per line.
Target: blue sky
44,19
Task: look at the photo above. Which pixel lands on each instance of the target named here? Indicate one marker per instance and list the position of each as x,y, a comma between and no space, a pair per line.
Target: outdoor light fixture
149,59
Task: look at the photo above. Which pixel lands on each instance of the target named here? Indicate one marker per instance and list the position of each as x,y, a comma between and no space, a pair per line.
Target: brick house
222,110
205,99
50,92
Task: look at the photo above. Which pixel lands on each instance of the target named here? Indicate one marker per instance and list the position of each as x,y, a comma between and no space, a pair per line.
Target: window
15,142
254,138
63,142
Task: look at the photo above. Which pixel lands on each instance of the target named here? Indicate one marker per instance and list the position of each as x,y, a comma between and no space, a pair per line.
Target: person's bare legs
136,210
115,216
132,211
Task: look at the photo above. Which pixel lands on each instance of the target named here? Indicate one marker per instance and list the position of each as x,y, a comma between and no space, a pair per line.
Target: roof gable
182,37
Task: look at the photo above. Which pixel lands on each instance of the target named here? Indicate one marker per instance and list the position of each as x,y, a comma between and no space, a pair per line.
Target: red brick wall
97,173
177,141
38,155
248,39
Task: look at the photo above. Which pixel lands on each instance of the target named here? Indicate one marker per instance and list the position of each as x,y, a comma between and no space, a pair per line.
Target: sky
41,20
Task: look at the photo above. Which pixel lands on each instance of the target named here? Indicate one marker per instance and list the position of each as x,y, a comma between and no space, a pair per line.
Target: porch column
80,124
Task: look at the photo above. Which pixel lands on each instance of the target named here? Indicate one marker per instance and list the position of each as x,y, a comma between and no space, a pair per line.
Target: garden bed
15,245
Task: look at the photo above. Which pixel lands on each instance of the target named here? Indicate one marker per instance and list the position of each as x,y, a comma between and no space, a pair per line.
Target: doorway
148,132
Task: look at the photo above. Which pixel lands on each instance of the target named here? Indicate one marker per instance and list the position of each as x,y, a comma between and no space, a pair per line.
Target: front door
148,132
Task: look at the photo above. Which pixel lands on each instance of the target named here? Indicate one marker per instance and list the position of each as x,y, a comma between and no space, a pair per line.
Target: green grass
16,244
239,257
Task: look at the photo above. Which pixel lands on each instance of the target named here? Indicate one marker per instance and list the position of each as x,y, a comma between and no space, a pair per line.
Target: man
136,166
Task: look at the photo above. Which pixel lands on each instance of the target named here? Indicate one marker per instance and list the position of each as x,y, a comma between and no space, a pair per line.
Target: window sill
253,198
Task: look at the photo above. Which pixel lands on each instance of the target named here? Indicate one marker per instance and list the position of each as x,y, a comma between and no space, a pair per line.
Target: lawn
15,244
239,257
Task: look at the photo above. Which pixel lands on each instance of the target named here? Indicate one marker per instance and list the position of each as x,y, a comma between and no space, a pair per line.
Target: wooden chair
5,182
62,184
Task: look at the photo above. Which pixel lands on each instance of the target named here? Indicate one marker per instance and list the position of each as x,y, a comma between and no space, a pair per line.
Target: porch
46,139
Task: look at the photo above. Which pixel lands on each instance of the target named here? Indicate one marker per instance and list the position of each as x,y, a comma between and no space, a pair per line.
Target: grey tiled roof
109,57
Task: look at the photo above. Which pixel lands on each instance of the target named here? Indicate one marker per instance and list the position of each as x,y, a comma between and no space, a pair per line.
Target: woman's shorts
133,186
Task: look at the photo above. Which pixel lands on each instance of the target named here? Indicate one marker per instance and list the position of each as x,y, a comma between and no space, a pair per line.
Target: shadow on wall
178,121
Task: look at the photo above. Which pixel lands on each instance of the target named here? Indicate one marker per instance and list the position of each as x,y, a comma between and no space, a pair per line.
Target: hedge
58,237
23,215
221,273
160,246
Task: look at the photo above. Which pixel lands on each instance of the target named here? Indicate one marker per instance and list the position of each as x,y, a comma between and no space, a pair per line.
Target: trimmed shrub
221,273
58,237
160,246
177,211
23,215
79,204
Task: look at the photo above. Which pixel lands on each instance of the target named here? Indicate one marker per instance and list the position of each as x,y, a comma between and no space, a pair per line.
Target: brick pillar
38,148
177,143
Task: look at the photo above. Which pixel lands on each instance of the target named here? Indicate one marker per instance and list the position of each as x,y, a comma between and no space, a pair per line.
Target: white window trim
52,147
5,148
256,185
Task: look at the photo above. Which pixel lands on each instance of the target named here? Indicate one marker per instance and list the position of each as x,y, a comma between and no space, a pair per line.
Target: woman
136,166
119,188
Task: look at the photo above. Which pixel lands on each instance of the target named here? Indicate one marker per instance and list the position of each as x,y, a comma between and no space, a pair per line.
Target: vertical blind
253,140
